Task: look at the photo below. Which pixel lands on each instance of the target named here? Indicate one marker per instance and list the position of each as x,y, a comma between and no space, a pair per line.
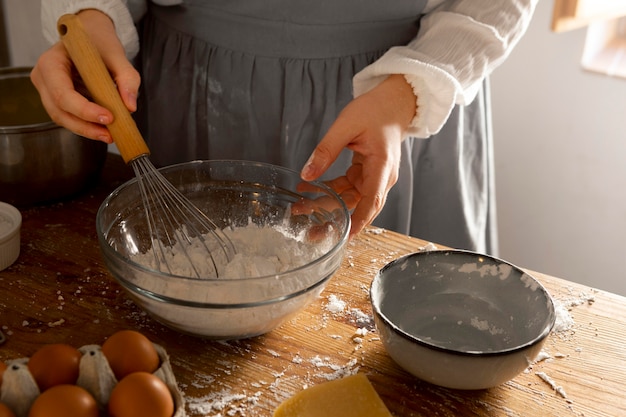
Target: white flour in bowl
261,251
285,277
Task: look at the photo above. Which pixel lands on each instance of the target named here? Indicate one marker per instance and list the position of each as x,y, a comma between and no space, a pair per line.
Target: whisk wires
176,227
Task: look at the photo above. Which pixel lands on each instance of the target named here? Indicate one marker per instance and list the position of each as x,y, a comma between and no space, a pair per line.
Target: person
388,103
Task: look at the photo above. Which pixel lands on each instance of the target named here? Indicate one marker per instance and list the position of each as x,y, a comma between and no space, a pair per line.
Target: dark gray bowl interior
463,301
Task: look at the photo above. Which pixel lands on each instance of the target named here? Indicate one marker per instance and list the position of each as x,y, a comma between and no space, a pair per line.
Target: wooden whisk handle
101,86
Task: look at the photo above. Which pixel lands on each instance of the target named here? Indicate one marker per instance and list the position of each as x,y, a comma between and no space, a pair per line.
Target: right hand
55,78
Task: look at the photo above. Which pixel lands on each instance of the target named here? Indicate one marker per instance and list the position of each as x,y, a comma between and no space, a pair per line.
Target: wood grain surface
60,291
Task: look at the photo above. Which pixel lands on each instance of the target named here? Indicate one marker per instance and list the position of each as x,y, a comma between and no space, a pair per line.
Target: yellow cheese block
352,396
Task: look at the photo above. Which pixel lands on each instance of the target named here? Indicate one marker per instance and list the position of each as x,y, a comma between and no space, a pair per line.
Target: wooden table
60,291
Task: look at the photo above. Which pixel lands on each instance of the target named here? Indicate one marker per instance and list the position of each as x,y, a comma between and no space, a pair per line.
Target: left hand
373,126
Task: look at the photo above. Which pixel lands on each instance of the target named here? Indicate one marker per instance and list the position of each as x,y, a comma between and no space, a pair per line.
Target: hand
58,83
373,126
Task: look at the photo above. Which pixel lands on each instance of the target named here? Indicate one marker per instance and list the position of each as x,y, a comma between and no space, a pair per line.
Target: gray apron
264,80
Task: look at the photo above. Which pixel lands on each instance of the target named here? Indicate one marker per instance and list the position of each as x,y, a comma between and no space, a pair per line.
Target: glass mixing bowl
234,194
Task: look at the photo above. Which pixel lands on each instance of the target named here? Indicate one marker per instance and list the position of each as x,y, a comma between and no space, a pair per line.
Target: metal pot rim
23,72
34,127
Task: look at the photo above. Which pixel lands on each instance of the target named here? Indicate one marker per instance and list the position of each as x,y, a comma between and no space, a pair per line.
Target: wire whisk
184,240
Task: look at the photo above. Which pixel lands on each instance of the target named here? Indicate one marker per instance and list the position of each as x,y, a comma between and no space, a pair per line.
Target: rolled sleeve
117,11
459,43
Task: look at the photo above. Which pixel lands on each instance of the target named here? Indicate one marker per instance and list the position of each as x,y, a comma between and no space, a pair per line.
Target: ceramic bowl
233,194
10,225
460,319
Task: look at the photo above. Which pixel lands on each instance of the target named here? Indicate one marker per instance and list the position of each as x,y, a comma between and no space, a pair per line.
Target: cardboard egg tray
19,389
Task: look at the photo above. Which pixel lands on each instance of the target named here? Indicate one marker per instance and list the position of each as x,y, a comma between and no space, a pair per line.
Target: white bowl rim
482,354
15,216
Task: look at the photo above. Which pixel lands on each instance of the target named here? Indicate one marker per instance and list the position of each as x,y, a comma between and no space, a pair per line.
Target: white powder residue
338,371
429,247
260,251
542,356
564,320
224,403
56,323
358,336
557,388
360,318
529,282
335,305
503,270
484,325
273,353
361,332
562,308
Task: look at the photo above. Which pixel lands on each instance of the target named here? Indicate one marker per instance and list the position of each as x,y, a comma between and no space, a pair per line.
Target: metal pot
40,161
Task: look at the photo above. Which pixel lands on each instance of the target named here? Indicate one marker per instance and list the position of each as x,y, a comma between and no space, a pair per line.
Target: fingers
125,77
101,31
321,201
366,211
374,181
53,78
60,87
372,126
365,207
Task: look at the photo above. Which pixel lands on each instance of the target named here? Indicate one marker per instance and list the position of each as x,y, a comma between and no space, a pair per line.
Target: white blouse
459,43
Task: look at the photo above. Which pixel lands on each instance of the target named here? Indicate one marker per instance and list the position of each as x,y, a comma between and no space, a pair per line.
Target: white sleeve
459,43
123,13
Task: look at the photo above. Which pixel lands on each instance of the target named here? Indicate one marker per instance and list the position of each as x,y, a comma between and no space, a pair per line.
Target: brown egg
128,351
5,411
3,367
54,364
140,394
64,401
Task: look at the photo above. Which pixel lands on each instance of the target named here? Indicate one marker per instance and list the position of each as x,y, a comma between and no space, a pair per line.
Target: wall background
560,160
560,151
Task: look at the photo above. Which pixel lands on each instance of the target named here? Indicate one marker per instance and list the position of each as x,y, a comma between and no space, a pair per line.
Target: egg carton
19,389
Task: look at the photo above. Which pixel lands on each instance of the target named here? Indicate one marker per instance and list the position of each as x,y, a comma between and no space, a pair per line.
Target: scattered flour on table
224,403
564,322
246,400
335,305
261,251
542,356
563,306
557,388
337,371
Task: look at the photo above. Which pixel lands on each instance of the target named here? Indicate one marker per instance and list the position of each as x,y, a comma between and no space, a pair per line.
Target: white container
10,223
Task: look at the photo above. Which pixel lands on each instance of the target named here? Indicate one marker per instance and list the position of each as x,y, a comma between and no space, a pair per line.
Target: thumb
101,30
